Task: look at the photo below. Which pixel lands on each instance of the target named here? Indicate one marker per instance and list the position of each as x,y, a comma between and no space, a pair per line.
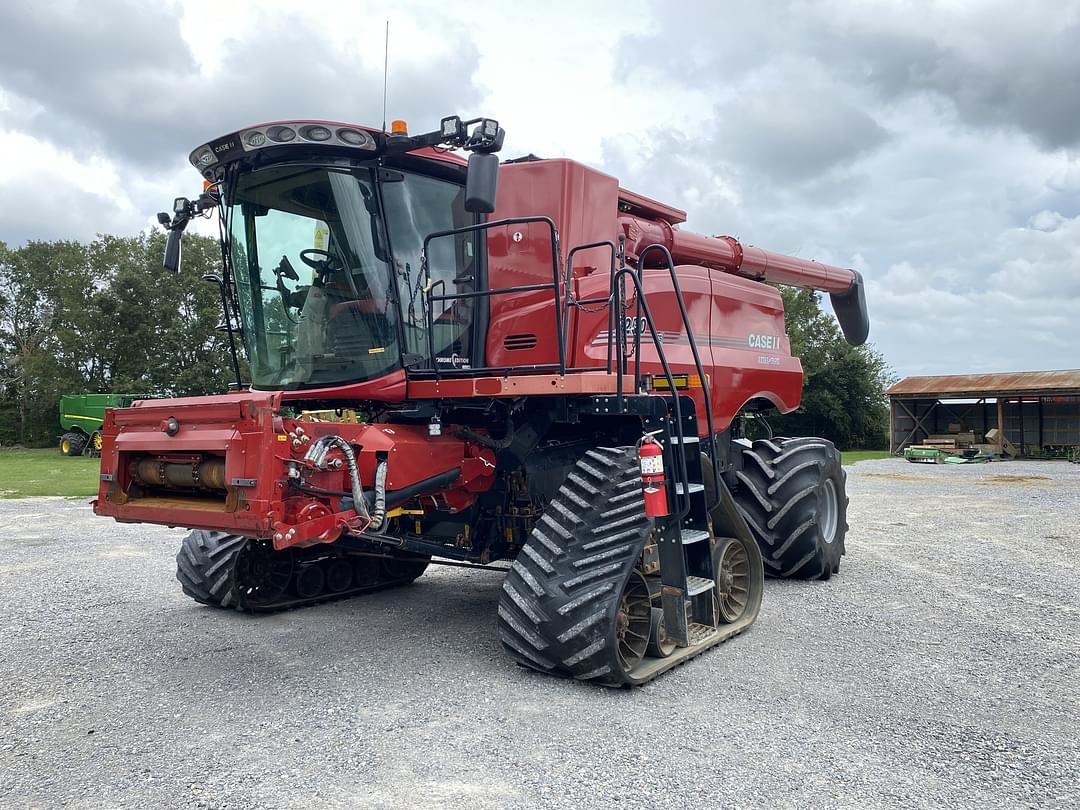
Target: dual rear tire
792,494
72,443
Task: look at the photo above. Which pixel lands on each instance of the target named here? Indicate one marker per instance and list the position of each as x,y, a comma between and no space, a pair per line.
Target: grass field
851,456
25,473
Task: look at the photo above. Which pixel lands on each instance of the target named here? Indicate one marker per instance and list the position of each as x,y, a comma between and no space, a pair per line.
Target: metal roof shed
1038,411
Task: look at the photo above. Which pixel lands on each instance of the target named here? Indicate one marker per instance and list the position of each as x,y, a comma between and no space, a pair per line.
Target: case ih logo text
764,341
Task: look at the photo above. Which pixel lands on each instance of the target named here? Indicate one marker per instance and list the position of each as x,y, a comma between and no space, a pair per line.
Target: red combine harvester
548,370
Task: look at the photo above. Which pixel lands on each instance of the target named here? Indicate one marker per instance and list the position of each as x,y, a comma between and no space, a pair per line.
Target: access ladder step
696,585
694,536
680,489
685,440
699,633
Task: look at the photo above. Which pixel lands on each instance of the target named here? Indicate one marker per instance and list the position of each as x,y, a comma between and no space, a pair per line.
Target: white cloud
931,146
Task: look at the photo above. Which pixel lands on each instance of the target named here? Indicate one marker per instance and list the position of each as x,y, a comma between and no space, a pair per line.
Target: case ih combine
552,374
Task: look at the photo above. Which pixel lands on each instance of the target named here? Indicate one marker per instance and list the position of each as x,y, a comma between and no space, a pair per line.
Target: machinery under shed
1036,413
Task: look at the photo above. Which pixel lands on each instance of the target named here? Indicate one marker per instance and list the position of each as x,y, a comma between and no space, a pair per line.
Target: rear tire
72,443
793,496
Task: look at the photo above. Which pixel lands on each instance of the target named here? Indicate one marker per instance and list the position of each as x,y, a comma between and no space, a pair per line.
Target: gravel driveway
941,668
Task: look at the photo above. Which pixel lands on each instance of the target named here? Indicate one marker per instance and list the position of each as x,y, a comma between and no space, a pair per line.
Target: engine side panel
583,204
738,326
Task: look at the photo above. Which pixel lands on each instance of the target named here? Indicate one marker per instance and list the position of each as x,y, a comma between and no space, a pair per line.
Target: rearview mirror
171,262
481,183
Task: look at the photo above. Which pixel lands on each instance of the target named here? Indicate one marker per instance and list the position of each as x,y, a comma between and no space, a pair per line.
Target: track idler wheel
261,574
310,579
660,646
339,574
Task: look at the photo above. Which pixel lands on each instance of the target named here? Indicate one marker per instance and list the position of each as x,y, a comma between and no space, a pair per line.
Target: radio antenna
386,65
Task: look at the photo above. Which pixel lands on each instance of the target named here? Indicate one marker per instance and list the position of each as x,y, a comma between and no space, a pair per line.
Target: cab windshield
312,280
317,286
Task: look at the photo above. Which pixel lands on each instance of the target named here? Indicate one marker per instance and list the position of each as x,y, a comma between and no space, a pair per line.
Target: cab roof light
399,127
453,129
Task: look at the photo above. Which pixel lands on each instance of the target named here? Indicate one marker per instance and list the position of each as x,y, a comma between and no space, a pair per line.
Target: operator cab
324,247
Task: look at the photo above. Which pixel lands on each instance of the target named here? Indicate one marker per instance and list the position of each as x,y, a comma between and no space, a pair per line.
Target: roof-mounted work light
487,137
452,129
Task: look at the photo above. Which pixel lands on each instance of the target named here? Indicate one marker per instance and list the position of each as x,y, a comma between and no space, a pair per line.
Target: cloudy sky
935,147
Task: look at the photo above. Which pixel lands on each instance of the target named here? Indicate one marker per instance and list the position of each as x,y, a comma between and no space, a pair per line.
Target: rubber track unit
205,568
558,602
780,492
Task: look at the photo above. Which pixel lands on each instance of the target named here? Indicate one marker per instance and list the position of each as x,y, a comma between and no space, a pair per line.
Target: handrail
684,476
581,302
484,226
697,359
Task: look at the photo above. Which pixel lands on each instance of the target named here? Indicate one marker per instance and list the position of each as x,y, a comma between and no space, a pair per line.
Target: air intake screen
514,342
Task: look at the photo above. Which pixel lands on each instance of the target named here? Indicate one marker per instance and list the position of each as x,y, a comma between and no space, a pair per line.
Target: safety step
699,633
693,488
696,585
685,440
693,536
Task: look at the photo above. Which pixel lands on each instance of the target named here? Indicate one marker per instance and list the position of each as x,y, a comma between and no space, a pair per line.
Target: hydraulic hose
378,513
316,454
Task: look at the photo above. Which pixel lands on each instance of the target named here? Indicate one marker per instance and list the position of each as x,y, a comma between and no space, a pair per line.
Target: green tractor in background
81,417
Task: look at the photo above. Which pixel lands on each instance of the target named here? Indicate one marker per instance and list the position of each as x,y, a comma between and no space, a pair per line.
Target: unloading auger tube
725,253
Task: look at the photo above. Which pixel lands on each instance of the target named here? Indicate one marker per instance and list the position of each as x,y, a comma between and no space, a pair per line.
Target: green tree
843,397
41,318
104,317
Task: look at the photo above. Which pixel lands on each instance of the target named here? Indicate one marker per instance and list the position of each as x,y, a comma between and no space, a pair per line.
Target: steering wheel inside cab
321,261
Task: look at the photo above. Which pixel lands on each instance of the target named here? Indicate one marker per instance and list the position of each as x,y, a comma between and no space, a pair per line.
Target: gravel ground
939,669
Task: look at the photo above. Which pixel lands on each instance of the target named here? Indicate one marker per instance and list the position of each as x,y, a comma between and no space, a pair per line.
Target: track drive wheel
573,603
660,646
793,496
96,443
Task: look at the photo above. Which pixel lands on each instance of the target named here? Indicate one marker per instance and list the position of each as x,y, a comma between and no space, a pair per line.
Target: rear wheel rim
65,447
632,621
97,442
830,508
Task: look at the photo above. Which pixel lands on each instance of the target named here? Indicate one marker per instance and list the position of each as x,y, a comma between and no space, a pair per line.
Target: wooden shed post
1000,423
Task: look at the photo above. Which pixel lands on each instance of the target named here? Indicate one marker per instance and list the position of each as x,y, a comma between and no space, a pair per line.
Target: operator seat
358,328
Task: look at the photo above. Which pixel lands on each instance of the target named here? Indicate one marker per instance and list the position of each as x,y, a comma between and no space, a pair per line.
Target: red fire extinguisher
651,457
